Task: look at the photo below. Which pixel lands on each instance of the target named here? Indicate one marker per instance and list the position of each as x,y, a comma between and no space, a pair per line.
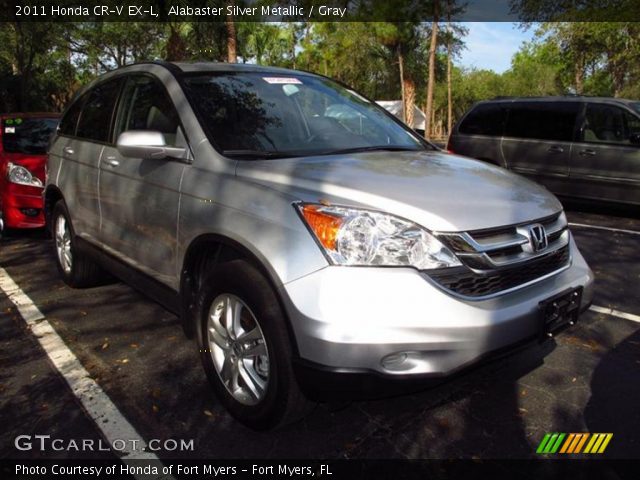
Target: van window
487,119
95,119
146,106
608,124
542,120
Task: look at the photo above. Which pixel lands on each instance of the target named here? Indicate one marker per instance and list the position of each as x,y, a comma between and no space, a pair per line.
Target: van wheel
76,267
245,347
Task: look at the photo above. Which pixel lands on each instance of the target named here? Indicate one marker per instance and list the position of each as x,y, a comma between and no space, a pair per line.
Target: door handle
111,161
555,149
68,150
587,152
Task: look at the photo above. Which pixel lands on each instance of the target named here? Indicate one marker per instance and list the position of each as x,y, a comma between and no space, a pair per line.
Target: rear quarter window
486,119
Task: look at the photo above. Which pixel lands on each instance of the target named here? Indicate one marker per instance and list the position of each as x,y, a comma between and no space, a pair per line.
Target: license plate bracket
560,311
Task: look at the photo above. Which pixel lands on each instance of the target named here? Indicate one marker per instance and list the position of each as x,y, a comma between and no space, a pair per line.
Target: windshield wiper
375,148
255,154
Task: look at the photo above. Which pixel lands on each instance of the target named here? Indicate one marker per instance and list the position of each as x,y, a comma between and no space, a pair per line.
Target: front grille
502,258
466,282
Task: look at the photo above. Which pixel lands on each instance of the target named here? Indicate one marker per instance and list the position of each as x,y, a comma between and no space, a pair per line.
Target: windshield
27,135
277,115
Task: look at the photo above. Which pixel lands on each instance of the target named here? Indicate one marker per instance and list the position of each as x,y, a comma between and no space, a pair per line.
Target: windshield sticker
9,129
282,80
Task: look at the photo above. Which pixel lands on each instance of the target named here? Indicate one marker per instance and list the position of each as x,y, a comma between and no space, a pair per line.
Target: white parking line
615,313
598,227
95,401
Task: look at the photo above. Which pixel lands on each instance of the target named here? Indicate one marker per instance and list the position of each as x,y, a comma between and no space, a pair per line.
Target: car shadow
600,208
613,406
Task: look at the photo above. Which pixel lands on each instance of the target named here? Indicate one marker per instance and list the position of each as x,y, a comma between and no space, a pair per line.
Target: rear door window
553,121
487,119
27,135
608,124
95,119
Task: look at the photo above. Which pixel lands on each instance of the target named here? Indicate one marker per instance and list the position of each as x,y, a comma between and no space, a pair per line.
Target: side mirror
634,138
147,144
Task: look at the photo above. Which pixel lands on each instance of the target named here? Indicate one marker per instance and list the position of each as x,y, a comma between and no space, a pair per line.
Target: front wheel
245,347
76,267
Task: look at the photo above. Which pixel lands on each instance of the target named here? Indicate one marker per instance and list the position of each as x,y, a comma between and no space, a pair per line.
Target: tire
271,396
76,268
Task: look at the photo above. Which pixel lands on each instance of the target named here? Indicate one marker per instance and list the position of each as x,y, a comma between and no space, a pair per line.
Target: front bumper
22,206
395,323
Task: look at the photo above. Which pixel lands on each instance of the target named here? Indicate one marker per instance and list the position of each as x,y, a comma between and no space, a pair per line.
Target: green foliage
43,64
535,70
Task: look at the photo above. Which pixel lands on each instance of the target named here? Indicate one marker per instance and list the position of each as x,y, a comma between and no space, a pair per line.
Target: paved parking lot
586,380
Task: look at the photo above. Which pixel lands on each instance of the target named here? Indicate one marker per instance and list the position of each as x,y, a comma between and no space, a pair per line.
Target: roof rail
172,67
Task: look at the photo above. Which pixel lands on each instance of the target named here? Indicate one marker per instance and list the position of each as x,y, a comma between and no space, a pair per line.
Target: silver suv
312,244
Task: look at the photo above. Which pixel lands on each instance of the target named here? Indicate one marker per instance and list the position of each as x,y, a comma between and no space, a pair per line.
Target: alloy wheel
238,349
63,244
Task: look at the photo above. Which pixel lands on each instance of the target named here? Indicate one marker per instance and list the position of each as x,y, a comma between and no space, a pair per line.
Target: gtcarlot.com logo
574,443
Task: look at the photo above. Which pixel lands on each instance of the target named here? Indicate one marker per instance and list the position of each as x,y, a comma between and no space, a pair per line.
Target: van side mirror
634,138
147,144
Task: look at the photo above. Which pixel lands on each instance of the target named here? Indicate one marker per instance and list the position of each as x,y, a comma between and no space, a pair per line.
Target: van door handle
68,151
587,152
111,161
555,149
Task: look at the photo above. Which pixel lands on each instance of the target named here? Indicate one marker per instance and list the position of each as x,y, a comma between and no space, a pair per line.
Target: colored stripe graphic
556,446
581,443
574,443
567,443
550,443
543,443
590,444
606,442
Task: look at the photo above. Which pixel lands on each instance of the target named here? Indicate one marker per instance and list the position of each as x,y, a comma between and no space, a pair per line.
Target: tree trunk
21,68
293,47
410,100
232,56
449,93
579,75
402,92
617,72
432,71
176,49
617,76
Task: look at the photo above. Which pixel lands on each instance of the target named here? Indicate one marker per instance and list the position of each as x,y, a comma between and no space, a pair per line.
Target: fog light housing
30,212
396,361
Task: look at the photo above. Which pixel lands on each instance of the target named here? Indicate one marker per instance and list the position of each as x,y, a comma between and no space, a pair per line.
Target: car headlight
20,175
351,236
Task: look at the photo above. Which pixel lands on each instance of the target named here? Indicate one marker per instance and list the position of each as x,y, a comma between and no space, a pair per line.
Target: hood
437,190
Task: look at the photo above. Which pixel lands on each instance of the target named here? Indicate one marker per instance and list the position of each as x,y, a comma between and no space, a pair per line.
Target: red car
24,138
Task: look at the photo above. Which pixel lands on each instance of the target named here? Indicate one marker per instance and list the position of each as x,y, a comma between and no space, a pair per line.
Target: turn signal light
324,225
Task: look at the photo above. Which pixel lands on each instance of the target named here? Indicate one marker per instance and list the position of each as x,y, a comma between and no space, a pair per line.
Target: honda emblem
537,237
